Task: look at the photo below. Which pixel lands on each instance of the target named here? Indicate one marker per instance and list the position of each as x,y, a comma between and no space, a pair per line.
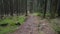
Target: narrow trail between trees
35,26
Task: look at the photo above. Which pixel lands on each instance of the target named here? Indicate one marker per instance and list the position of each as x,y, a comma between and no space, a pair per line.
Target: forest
29,16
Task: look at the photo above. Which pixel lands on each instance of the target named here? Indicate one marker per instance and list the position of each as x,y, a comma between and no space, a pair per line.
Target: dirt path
29,27
45,27
35,26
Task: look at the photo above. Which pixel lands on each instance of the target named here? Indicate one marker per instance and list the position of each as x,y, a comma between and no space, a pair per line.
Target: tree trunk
45,8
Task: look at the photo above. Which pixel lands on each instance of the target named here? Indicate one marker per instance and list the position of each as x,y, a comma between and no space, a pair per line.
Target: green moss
5,30
21,19
11,24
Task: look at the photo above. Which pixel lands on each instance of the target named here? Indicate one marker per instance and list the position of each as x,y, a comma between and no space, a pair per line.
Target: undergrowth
11,27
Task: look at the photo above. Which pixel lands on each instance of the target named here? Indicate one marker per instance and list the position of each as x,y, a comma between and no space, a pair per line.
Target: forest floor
35,25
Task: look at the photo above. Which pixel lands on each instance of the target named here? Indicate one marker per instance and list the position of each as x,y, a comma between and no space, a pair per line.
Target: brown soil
35,26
